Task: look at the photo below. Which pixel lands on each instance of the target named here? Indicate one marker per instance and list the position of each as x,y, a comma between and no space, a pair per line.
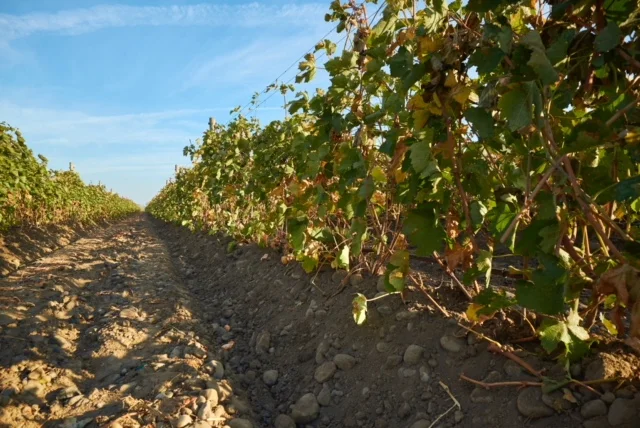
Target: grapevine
453,132
33,195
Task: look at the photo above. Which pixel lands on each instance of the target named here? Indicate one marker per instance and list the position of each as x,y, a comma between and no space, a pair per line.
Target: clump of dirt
147,324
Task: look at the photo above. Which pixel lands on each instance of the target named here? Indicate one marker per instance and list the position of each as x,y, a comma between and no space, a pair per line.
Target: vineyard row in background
501,128
33,195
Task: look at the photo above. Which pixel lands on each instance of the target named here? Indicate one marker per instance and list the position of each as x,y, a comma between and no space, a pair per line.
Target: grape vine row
453,132
32,194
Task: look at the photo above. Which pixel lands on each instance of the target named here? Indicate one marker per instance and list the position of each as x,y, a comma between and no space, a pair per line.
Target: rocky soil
146,324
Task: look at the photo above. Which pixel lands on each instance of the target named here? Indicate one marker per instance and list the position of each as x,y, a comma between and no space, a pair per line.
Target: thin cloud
85,20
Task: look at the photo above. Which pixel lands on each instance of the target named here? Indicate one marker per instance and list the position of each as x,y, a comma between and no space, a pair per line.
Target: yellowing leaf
461,94
451,80
427,45
399,175
416,102
472,312
359,305
420,118
378,175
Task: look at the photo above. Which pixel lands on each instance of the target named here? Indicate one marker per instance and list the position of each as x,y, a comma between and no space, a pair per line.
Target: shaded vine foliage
448,131
32,194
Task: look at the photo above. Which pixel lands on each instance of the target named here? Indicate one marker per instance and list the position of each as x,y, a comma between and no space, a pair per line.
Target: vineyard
33,195
495,131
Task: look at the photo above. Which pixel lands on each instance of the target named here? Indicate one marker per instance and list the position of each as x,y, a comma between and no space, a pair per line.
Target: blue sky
120,88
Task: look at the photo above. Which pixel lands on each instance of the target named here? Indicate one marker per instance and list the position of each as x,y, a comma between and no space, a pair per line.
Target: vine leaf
487,303
481,121
545,293
568,332
516,109
608,38
539,61
424,231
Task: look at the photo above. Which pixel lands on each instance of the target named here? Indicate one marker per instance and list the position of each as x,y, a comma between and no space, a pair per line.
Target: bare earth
146,324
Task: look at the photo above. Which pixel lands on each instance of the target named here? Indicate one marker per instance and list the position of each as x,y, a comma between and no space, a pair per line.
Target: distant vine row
32,195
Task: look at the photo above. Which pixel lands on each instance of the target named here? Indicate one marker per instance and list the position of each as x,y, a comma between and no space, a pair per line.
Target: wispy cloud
71,128
85,20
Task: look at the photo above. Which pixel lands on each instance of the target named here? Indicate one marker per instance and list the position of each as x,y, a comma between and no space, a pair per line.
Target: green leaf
516,109
481,121
493,300
358,233
367,189
343,258
558,49
539,61
545,293
552,333
484,264
297,230
483,5
625,190
400,259
421,159
395,280
608,38
424,231
359,310
486,59
478,212
309,264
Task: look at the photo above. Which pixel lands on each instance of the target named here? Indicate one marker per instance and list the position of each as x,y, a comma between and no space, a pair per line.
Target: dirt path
146,324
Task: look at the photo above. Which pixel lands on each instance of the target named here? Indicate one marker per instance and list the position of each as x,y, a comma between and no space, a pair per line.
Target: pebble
530,404
205,412
406,315
458,415
422,423
404,410
451,344
384,310
284,421
240,423
383,347
183,421
325,371
608,397
270,377
306,409
211,395
413,354
324,397
344,361
621,411
263,342
392,361
593,408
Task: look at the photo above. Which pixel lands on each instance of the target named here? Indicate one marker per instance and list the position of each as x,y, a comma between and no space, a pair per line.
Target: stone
384,310
621,411
424,374
413,354
211,395
422,423
458,415
263,342
205,412
217,368
392,361
324,397
325,371
380,285
356,279
451,344
240,423
284,421
344,361
608,397
183,421
383,347
597,422
405,315
593,408
306,409
404,410
530,404
270,377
